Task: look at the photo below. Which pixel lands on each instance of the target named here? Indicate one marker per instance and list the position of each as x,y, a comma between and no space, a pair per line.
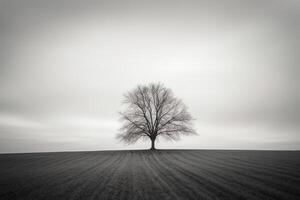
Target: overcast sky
64,66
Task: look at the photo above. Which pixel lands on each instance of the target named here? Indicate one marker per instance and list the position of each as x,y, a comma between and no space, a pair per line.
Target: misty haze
115,99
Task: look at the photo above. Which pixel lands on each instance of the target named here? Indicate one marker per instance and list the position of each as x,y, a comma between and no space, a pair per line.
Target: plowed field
159,175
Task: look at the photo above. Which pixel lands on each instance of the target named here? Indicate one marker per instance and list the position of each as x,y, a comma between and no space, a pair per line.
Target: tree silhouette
152,111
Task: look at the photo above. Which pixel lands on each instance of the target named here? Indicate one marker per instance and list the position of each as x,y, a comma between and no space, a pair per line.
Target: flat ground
159,175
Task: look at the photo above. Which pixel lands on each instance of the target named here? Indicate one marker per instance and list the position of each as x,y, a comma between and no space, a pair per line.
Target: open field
163,174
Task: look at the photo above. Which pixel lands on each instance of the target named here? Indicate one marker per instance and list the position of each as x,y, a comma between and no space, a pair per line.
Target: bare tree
152,111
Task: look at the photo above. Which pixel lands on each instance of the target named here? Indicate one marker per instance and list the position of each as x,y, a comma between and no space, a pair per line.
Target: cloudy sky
64,66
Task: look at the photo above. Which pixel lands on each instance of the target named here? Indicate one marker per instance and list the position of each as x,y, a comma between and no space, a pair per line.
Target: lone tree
152,111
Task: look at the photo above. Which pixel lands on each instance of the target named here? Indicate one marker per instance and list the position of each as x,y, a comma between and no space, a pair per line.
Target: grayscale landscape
149,99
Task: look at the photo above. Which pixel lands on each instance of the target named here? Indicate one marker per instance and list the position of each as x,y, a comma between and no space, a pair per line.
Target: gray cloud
64,66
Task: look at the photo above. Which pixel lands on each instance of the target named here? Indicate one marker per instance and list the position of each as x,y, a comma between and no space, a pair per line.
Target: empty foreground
163,174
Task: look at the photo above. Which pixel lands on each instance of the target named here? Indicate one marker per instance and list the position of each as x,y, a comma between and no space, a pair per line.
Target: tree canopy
152,111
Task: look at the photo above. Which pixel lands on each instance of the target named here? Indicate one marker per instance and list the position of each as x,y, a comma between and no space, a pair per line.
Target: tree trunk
152,144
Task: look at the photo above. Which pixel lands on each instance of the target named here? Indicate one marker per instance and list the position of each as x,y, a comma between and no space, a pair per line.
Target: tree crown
152,110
